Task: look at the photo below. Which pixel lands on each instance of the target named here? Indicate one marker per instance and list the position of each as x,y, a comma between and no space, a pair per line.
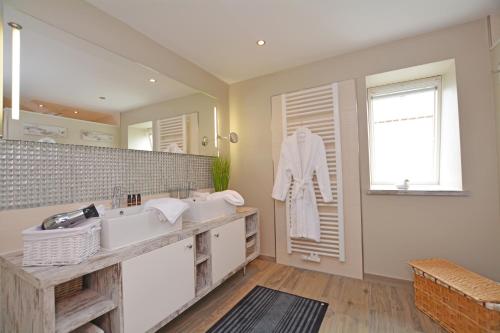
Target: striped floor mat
268,310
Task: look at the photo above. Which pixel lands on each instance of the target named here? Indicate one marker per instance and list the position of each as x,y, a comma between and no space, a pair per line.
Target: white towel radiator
318,109
172,130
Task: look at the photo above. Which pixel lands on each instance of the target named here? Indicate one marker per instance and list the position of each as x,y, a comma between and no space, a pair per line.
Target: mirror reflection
74,92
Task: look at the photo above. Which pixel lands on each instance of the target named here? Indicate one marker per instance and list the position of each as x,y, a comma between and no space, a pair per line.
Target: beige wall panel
395,228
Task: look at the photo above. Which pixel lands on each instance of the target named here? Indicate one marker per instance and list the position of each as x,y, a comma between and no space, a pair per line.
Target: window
414,130
404,126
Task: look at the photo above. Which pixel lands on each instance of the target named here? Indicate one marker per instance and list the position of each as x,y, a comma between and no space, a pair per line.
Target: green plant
220,173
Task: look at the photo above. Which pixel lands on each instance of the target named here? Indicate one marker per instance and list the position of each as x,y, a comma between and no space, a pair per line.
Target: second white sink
125,226
205,210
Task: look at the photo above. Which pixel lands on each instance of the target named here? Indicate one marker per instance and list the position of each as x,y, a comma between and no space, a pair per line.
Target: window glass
404,137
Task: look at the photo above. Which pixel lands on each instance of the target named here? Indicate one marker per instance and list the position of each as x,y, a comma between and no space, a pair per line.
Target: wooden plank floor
371,305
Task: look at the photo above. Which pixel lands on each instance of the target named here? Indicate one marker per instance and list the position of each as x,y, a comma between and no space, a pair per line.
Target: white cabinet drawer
156,284
228,248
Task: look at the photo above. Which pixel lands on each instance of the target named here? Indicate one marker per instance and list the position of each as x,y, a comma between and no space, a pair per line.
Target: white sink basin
201,210
125,226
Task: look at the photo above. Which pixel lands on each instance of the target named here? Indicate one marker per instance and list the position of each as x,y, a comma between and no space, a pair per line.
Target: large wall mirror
74,92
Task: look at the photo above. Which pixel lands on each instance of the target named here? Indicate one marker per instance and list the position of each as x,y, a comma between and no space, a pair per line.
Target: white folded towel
232,197
100,209
168,209
174,148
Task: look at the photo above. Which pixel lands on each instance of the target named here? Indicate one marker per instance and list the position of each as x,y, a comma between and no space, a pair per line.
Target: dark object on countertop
134,200
139,199
69,219
129,200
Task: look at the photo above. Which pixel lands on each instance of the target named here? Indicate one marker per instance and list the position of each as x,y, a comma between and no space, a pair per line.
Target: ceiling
58,69
220,35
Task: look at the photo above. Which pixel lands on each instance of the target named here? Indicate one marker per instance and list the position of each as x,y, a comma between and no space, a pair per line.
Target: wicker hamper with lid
458,299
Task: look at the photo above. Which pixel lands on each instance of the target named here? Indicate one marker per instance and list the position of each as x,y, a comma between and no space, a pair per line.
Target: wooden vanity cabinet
137,288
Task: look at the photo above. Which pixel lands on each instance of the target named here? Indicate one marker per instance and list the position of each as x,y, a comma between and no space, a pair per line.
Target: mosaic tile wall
34,174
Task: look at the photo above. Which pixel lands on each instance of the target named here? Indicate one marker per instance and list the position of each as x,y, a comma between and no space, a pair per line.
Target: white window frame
434,82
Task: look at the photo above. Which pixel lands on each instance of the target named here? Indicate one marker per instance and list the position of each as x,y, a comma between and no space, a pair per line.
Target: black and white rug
268,310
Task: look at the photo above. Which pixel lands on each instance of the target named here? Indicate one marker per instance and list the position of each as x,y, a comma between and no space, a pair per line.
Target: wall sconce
16,68
233,137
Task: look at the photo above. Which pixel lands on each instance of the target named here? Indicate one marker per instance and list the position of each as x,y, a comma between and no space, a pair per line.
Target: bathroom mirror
75,92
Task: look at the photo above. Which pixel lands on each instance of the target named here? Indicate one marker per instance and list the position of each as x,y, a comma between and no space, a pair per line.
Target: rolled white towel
168,209
232,197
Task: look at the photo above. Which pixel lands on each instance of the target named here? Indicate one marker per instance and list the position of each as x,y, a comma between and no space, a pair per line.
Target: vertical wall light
216,129
16,68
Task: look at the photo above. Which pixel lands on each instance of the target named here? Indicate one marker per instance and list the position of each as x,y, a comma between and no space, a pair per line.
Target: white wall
138,138
396,229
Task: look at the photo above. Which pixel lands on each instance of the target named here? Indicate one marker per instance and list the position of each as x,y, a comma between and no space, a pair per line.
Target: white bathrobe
303,154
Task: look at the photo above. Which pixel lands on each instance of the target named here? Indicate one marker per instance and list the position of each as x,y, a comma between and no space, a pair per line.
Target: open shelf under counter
81,308
201,258
251,233
202,245
252,236
251,224
203,277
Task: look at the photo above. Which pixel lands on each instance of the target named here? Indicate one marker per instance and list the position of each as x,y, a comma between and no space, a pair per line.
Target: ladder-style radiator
318,110
172,130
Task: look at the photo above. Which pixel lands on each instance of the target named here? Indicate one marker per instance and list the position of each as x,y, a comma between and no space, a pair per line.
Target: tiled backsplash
34,174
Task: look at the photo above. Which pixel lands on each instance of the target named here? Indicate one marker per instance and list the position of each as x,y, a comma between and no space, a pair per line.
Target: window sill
441,193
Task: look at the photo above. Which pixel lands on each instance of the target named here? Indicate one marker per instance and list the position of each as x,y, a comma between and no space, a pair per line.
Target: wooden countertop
47,276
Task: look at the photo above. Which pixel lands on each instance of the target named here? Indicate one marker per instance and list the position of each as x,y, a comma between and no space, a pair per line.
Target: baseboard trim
267,258
385,279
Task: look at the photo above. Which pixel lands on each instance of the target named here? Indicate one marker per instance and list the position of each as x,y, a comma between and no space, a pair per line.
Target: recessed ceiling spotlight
75,112
15,25
102,97
261,42
152,80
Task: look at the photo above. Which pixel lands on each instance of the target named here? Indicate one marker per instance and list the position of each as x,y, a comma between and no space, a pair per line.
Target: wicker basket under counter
459,300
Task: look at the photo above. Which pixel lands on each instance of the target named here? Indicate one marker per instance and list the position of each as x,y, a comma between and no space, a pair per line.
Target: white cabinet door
156,284
228,248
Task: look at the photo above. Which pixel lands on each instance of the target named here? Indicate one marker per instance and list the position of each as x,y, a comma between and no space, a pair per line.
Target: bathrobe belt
300,186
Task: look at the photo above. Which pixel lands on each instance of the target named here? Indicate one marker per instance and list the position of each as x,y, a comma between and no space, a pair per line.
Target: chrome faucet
190,189
116,200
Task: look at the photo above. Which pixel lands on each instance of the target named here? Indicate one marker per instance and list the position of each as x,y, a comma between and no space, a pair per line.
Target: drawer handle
189,246
216,235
